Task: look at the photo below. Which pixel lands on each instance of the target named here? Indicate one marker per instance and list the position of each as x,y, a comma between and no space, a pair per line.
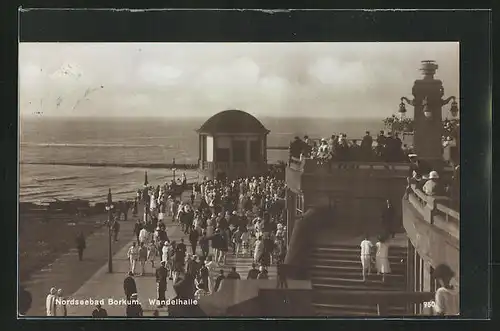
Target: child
366,246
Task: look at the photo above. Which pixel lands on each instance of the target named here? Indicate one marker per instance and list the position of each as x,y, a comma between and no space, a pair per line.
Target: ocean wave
54,179
28,144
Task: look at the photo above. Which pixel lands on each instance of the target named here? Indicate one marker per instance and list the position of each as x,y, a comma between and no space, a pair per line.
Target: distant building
232,144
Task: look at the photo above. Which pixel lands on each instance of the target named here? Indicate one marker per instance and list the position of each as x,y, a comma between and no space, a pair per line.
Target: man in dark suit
161,283
80,245
99,311
134,308
129,285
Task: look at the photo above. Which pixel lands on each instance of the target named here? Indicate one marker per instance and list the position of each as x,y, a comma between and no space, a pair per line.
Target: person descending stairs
337,267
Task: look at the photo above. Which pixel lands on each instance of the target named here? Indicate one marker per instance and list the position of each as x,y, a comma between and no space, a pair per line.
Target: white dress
382,258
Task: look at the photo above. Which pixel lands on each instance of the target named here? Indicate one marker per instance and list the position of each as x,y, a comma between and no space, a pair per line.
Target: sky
326,80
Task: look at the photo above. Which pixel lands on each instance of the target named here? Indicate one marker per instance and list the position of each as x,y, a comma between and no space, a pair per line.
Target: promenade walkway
67,273
90,279
103,285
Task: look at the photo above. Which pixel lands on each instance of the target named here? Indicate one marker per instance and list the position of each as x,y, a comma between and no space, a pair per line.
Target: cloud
30,74
159,74
242,71
67,71
330,71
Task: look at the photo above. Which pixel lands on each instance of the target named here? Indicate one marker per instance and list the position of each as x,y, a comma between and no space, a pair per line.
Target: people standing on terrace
432,186
367,146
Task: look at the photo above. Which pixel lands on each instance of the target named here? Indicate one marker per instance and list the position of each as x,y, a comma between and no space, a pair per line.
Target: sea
49,144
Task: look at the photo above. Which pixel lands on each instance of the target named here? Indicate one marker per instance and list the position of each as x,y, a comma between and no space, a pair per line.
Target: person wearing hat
307,146
161,283
129,285
432,186
99,311
446,297
262,273
134,308
295,148
50,302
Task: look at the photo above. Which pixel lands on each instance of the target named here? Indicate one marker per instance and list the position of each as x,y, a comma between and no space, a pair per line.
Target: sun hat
433,175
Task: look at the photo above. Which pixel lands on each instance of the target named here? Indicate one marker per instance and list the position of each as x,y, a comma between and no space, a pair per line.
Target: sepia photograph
230,179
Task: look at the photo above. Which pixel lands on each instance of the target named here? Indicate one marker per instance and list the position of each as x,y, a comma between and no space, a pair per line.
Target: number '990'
429,304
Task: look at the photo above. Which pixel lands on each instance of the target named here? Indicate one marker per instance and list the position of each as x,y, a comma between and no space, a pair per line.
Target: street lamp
173,170
109,209
145,196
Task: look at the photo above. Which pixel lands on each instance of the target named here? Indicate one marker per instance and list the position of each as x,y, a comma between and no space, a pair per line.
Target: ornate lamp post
145,196
109,209
173,169
428,93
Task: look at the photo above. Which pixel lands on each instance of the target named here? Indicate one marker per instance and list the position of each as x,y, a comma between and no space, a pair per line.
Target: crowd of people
243,217
385,147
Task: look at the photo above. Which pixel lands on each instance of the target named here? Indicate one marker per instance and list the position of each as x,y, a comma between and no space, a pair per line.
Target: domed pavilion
232,144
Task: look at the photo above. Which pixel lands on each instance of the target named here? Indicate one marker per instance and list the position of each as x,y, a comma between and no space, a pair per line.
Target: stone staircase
338,268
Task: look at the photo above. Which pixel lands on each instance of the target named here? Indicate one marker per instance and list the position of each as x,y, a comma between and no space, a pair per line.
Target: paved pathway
110,286
67,273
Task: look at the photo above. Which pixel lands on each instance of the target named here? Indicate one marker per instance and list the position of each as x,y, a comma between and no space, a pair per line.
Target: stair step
360,286
392,249
356,249
373,279
357,259
348,273
338,307
333,264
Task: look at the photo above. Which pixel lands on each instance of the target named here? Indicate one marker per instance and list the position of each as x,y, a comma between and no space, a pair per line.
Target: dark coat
134,310
129,286
161,275
100,313
80,242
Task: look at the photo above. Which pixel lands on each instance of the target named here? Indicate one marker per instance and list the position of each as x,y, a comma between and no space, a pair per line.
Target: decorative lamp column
427,102
173,169
109,209
145,197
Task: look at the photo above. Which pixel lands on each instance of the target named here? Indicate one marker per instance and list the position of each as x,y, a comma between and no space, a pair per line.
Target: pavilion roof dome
232,121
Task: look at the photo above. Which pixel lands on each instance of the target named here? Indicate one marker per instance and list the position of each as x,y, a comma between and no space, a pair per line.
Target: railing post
410,272
431,203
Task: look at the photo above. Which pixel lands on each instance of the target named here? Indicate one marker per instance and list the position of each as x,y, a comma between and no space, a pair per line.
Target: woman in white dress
258,250
382,257
211,265
164,251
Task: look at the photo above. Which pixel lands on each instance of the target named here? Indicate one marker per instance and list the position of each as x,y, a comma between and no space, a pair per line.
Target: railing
309,165
435,210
